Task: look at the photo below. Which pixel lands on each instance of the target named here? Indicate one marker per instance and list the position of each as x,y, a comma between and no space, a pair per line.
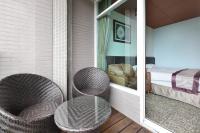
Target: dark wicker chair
91,81
27,104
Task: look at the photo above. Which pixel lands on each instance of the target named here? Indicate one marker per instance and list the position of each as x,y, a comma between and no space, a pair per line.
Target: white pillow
150,66
135,67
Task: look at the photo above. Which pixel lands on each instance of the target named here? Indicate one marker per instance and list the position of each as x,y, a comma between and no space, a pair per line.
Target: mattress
162,76
176,95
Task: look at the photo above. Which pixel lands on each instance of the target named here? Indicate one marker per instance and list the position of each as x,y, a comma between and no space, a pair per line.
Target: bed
162,84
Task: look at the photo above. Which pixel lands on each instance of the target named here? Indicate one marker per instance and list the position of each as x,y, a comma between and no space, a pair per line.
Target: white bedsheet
162,76
163,83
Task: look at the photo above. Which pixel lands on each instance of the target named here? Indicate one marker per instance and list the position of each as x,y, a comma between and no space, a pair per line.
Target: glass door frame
141,27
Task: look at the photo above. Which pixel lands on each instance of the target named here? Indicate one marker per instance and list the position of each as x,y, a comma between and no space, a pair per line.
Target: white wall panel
126,103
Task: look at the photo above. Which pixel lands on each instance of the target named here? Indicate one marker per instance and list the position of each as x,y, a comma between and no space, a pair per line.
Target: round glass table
84,114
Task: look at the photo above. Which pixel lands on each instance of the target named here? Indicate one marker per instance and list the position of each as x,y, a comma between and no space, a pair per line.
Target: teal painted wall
121,49
178,45
149,41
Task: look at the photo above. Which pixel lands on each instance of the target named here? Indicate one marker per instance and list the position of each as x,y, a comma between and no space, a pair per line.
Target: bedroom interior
172,39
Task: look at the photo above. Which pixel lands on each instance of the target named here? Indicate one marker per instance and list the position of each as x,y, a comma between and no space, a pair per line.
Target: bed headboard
131,59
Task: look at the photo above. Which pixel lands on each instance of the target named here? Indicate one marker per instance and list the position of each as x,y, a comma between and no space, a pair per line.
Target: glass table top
82,113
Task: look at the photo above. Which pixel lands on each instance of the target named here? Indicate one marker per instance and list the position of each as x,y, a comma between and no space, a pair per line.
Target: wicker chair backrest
22,90
91,77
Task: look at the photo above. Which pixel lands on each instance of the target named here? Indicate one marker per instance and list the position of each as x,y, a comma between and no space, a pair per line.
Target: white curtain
60,44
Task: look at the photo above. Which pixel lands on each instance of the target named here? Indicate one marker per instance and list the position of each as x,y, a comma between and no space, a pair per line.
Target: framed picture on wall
121,32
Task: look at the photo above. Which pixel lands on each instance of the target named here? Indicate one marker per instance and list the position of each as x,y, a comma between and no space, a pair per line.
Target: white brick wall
26,37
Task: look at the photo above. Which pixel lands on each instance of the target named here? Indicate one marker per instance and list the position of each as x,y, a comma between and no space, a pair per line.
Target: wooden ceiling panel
164,12
156,17
165,4
183,11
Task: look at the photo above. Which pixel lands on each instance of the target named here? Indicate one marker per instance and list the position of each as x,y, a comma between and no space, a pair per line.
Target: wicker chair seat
38,111
27,104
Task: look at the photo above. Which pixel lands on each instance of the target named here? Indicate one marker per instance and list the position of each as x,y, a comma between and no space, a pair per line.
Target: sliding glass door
117,41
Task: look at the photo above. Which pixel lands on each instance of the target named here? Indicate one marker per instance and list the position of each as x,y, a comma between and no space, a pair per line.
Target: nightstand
148,82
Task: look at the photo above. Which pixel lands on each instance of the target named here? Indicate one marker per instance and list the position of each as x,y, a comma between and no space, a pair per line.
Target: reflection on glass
117,44
104,4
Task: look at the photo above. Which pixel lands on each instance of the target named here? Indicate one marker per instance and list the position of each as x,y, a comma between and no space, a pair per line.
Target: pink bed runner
186,80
